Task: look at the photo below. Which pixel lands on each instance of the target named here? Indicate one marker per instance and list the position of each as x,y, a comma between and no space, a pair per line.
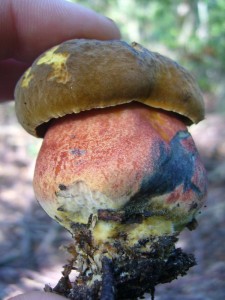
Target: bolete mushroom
118,167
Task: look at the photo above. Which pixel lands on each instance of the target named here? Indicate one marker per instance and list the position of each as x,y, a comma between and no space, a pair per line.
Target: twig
108,285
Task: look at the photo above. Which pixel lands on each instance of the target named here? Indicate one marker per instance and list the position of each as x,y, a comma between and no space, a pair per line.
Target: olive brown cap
80,75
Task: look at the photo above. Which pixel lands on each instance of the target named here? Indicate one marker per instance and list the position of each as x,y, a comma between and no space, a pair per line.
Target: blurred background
193,33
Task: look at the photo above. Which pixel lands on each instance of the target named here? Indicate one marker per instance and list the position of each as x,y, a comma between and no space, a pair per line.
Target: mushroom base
114,270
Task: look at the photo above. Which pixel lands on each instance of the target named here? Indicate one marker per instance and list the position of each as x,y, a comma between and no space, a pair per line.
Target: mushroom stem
119,165
124,181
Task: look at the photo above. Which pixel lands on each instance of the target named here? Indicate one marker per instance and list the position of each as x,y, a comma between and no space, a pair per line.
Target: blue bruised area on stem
176,165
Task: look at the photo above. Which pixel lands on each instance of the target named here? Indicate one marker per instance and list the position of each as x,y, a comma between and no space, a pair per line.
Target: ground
30,254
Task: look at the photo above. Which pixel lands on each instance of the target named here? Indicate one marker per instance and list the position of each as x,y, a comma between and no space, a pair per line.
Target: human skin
38,296
28,28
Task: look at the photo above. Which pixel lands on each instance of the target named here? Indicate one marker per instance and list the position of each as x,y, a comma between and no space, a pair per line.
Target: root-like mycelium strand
124,189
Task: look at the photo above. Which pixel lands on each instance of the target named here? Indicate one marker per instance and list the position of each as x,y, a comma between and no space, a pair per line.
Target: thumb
38,296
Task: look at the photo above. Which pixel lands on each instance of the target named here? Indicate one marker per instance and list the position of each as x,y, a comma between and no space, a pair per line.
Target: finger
30,27
10,72
38,296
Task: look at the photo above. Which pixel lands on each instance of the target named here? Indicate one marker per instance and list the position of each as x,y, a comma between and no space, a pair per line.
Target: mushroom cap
80,75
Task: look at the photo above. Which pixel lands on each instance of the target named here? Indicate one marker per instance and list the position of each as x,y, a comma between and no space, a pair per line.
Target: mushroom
117,167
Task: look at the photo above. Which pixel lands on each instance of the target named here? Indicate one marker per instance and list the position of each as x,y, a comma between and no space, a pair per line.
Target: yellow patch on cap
49,57
58,63
27,78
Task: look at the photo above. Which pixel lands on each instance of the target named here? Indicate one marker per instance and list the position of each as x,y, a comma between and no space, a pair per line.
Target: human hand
38,296
28,28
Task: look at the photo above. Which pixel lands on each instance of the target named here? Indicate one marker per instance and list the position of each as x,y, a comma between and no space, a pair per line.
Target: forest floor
30,254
